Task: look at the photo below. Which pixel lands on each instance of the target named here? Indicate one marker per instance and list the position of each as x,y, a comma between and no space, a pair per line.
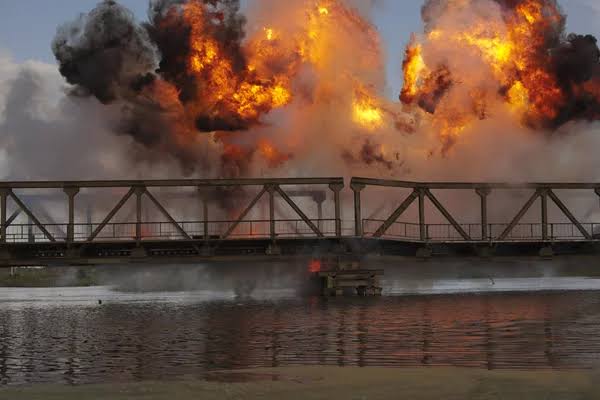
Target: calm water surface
65,336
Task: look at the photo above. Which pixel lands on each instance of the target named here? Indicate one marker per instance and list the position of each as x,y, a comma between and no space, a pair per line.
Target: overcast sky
28,26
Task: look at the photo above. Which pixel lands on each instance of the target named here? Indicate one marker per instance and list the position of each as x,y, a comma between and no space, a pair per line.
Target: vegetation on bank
48,277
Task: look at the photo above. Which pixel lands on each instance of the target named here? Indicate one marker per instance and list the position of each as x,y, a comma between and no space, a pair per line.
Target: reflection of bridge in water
193,220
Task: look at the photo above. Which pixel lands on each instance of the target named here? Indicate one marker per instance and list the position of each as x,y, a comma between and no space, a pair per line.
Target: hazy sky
28,26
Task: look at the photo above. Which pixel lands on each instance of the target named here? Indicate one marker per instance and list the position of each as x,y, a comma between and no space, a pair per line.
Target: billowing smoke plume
104,52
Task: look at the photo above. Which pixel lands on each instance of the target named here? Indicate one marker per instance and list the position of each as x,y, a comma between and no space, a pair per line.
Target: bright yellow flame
269,33
518,96
366,114
413,69
323,11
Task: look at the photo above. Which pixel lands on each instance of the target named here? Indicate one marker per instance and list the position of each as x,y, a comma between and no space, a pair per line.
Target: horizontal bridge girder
170,183
473,185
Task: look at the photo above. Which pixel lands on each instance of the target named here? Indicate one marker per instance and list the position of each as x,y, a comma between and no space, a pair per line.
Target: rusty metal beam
396,214
243,214
520,215
26,210
569,215
298,211
111,214
447,215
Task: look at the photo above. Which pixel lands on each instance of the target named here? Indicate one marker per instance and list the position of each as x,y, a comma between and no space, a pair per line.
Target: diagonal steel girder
396,214
111,214
520,215
298,211
244,213
28,212
569,215
166,214
13,216
447,215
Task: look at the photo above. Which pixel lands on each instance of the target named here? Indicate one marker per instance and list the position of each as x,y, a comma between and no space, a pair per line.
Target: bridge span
194,220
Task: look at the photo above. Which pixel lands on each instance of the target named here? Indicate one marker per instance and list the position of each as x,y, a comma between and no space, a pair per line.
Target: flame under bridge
166,221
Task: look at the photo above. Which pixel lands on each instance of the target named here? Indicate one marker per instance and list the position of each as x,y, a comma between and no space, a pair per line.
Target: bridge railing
127,231
447,232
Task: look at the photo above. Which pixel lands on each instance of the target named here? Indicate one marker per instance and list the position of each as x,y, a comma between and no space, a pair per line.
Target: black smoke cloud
104,52
108,55
576,64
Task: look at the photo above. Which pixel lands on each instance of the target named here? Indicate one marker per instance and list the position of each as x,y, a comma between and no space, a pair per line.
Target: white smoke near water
46,133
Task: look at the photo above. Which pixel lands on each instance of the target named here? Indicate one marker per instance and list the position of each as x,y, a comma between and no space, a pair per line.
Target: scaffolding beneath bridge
198,219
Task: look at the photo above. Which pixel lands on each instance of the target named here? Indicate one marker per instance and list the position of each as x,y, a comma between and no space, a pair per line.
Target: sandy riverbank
339,383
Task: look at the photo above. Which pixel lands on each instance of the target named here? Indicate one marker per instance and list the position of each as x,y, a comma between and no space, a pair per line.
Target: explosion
192,69
196,84
477,53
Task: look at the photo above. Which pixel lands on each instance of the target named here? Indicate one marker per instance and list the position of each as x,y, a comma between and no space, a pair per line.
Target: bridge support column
358,228
483,194
273,249
422,226
205,250
139,193
3,198
71,192
544,198
319,198
271,189
337,188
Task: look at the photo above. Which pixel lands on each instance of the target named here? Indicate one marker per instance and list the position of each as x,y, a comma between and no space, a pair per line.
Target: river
64,335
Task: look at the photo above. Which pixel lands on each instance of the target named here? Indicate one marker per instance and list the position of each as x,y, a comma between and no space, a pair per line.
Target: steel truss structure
42,239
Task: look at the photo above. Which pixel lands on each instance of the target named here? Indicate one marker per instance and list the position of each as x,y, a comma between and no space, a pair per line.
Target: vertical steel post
358,228
320,215
271,190
204,200
422,227
71,192
139,192
3,197
205,217
544,197
337,188
483,194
